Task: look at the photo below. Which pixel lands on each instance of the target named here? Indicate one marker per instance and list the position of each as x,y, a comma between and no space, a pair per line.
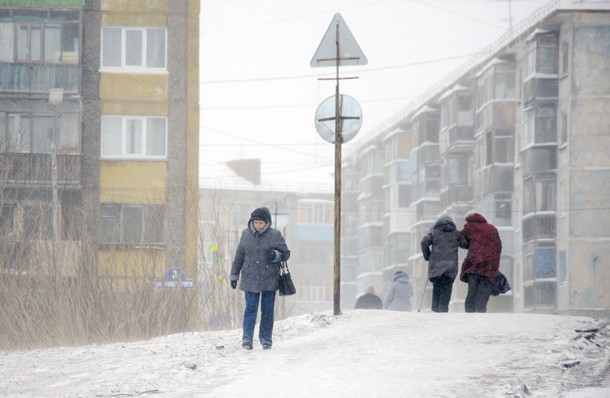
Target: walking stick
422,295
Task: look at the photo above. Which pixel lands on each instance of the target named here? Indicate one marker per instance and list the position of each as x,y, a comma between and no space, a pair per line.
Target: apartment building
521,134
99,116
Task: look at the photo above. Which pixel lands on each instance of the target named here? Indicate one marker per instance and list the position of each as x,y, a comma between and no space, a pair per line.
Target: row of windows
33,133
121,224
124,137
39,36
132,224
54,37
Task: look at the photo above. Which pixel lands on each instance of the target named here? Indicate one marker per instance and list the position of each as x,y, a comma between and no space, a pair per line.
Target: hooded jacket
259,274
440,248
400,293
369,301
483,256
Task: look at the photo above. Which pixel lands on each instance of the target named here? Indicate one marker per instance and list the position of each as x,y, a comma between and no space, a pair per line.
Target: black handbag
502,285
286,285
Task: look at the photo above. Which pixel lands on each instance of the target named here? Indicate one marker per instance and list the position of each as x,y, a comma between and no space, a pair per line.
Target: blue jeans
265,329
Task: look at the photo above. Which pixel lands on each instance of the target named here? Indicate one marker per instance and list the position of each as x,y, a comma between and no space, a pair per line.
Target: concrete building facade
99,135
520,133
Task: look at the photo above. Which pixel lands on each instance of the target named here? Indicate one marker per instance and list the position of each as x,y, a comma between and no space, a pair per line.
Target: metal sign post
324,56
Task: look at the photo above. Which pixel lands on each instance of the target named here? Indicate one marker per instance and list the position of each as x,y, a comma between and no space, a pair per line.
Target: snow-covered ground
362,353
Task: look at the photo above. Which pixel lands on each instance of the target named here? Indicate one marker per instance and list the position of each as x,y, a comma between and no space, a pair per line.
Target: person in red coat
482,262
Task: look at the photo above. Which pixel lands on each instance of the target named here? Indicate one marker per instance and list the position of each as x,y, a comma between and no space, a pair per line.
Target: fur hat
262,213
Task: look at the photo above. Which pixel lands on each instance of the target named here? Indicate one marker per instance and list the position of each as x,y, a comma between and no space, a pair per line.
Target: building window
565,58
315,213
538,195
397,248
465,114
457,170
540,124
7,219
562,269
33,133
503,211
132,224
563,198
134,137
563,137
39,36
37,222
542,54
134,48
499,147
404,196
539,261
496,83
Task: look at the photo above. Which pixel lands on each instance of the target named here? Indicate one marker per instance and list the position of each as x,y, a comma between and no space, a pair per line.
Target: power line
288,19
262,143
310,105
310,76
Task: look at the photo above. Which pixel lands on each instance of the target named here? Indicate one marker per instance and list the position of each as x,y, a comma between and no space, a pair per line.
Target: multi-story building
519,133
99,137
140,131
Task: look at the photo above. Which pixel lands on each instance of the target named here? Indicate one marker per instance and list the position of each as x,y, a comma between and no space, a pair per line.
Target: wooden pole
338,139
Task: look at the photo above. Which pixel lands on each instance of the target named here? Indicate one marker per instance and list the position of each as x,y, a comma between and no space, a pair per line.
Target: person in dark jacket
257,259
369,300
400,293
482,262
440,248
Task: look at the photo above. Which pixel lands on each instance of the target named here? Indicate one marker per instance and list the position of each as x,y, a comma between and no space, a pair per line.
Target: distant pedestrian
369,300
400,293
440,248
481,265
257,259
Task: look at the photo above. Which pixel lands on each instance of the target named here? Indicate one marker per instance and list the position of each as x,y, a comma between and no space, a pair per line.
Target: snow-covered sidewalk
362,353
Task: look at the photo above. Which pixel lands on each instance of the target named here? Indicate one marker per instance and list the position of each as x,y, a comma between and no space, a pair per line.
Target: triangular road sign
349,51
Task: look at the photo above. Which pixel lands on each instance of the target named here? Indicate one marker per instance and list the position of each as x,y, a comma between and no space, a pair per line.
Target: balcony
540,88
457,139
35,257
496,178
456,194
541,226
496,114
39,78
538,159
20,168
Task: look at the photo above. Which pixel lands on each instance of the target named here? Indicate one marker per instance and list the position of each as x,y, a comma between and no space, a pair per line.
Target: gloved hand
270,255
234,284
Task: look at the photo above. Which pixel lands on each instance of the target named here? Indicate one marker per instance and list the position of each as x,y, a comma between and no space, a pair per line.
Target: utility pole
338,47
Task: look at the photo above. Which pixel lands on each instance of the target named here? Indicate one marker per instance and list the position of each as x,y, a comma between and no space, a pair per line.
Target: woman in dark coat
400,293
260,251
440,249
369,300
482,262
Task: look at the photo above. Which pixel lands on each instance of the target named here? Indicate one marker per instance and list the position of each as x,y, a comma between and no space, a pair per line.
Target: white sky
259,95
362,353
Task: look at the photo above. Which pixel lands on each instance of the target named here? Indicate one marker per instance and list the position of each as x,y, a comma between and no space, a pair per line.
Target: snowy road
359,354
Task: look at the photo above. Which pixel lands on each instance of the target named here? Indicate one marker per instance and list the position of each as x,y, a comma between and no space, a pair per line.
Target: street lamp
56,97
